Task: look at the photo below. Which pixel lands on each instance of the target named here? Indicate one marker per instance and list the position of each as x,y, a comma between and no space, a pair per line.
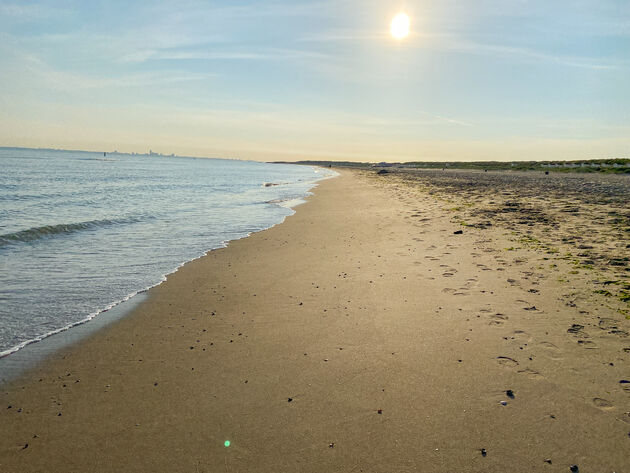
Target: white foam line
163,278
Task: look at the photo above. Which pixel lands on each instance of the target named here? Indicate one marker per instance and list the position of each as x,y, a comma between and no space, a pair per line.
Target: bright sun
400,26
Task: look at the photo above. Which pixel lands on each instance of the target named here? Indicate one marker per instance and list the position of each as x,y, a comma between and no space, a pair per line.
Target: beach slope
363,334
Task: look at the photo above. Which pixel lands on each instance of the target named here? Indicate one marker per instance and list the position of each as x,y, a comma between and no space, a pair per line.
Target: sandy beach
406,322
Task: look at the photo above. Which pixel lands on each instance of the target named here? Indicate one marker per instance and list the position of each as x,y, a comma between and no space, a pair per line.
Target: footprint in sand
531,374
603,404
588,344
549,346
507,361
498,319
619,333
612,327
522,335
577,330
471,282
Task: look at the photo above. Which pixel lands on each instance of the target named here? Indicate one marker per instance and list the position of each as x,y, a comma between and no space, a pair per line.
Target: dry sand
361,335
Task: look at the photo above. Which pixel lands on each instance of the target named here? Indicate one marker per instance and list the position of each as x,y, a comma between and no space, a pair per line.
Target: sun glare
400,26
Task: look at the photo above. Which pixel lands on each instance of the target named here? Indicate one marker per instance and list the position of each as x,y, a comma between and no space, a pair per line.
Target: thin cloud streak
267,54
39,71
428,41
525,53
32,12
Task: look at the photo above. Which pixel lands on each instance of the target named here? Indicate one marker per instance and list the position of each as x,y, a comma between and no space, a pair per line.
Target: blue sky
477,79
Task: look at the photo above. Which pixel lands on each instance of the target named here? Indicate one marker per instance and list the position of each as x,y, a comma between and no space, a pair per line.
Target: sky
321,79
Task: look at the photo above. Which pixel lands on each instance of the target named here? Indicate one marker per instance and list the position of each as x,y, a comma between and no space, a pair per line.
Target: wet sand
362,334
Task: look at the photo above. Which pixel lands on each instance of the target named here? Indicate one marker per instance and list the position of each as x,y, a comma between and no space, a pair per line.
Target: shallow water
80,232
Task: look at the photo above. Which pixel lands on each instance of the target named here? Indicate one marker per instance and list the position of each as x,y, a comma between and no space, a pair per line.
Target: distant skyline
293,80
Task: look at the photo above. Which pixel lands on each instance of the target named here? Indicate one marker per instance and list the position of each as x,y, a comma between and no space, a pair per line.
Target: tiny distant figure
104,154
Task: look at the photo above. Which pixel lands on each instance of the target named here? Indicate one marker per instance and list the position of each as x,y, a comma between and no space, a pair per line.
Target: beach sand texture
361,335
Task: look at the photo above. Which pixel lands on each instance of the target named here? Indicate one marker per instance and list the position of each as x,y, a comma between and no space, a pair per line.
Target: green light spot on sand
226,443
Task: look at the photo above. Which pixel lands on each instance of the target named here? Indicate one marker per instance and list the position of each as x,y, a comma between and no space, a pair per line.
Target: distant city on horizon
617,165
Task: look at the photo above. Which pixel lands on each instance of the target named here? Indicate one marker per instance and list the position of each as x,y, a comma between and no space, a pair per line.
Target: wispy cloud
441,118
212,53
523,53
31,69
341,35
31,11
450,42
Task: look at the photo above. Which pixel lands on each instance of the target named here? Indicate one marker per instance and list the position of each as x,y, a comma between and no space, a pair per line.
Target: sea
81,232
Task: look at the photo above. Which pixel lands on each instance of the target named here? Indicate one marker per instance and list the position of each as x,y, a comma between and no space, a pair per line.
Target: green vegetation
529,240
608,166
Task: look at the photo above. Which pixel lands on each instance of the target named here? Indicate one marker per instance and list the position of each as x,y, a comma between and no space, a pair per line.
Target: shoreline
362,333
35,351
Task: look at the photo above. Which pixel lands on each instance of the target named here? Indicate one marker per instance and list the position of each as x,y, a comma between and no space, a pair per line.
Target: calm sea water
80,232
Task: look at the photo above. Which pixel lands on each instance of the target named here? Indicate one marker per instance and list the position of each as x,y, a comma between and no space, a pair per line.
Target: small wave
290,202
49,231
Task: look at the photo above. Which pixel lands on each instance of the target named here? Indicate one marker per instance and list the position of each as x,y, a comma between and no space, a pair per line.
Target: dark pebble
483,452
574,468
290,399
25,447
380,411
458,232
548,460
509,393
